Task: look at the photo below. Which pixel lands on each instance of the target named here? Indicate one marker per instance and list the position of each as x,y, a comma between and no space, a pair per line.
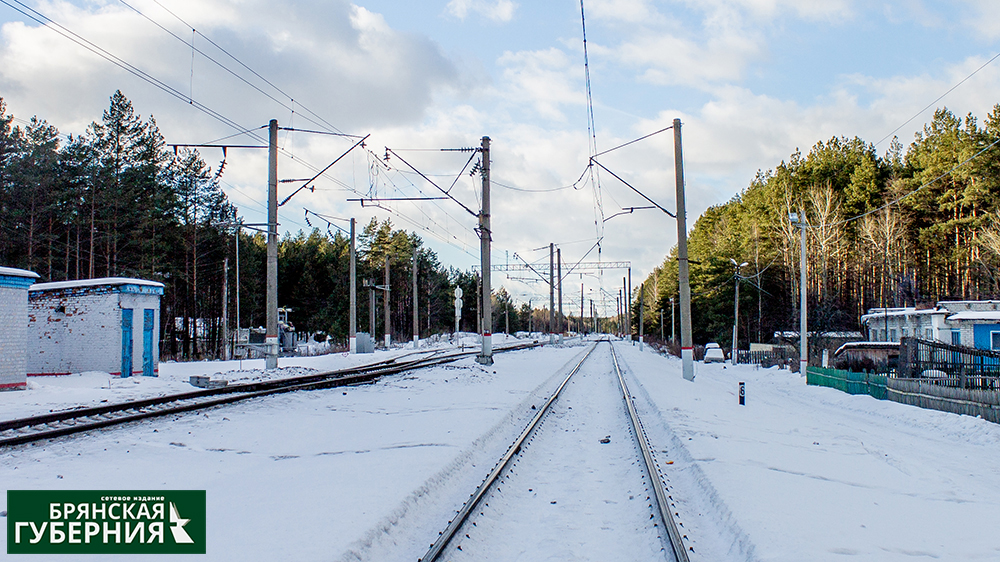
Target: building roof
976,315
794,334
867,345
878,313
80,283
14,272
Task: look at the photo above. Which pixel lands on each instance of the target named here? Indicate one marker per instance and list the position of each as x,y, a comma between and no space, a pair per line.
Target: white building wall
13,337
74,333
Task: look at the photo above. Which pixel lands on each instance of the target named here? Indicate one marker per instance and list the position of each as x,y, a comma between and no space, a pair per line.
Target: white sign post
458,307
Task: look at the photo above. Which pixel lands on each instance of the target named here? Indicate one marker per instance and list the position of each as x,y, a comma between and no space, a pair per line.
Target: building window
892,335
929,333
994,340
905,332
884,336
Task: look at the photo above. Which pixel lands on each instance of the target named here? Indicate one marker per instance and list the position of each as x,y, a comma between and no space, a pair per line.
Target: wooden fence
934,394
928,394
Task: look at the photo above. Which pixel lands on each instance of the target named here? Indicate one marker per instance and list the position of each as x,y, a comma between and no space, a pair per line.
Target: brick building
968,323
110,325
14,285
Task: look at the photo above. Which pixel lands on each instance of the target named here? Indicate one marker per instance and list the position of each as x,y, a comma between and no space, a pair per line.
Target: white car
714,353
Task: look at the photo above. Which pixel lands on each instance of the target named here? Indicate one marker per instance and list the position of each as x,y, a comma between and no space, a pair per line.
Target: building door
126,342
147,343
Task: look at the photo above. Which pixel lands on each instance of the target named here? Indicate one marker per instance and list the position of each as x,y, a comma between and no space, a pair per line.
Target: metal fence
848,381
770,358
948,365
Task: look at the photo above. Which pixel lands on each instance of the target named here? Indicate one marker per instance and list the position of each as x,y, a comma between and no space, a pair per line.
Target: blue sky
752,80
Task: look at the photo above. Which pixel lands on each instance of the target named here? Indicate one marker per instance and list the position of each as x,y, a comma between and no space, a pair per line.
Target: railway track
58,424
607,484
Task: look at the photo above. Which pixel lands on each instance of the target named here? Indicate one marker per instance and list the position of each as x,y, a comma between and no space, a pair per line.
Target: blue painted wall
981,334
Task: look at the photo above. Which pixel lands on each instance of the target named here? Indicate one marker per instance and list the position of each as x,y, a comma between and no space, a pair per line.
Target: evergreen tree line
116,202
900,229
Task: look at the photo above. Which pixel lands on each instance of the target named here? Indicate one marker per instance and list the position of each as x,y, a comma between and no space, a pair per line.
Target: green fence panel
848,381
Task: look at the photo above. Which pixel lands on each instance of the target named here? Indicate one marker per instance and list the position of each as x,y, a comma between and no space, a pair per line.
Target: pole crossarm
323,171
641,194
428,180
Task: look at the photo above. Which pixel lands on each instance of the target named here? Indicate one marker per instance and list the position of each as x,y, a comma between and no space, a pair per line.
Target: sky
751,81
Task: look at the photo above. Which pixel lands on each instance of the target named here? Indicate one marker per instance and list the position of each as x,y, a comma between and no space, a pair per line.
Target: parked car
714,353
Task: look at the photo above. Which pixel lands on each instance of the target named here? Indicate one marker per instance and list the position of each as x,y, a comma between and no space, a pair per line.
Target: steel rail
463,514
230,394
662,499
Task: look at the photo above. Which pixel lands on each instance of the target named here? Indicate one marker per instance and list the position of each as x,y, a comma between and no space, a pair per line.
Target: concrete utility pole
642,293
352,331
271,333
385,302
673,324
416,325
794,218
225,309
237,281
560,320
736,311
371,310
683,271
628,305
479,305
621,315
552,292
593,316
583,328
485,236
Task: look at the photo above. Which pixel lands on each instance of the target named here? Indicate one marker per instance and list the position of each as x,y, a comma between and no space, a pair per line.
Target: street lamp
736,305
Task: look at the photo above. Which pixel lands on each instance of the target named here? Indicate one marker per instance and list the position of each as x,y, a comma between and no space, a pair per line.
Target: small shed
14,285
110,324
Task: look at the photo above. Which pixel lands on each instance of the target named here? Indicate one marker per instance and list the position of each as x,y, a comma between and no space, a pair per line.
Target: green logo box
105,522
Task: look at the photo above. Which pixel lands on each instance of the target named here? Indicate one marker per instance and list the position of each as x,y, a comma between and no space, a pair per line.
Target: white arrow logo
177,526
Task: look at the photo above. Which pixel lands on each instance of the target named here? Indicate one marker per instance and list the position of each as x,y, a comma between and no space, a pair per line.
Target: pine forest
913,225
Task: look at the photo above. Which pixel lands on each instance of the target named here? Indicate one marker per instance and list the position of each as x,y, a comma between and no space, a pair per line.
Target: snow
373,472
60,392
975,315
14,272
566,484
811,473
93,283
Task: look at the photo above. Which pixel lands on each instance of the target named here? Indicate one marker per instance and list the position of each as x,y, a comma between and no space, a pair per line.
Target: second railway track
580,482
67,422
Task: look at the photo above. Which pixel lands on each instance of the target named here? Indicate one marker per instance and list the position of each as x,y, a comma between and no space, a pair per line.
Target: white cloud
984,17
500,11
340,60
545,80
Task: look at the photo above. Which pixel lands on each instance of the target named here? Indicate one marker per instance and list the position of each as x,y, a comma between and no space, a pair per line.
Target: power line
48,22
252,71
915,190
950,90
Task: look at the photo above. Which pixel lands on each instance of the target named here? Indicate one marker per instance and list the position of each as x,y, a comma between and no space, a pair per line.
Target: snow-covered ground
811,473
577,490
48,394
312,475
373,472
